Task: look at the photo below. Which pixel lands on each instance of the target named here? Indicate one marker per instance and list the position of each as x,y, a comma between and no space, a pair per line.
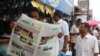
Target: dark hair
78,20
86,25
58,14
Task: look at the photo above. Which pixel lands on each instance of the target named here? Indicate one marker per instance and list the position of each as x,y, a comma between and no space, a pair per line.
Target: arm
65,44
96,47
60,34
65,29
96,54
72,33
4,41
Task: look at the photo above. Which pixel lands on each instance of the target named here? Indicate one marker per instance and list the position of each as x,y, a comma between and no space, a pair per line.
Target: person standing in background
74,32
86,44
63,34
34,14
96,32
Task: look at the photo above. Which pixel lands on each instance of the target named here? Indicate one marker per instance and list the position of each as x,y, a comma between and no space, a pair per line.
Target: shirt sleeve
72,29
76,45
95,33
65,28
96,47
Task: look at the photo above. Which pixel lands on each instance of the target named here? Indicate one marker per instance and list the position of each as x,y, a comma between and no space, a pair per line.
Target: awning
93,23
66,6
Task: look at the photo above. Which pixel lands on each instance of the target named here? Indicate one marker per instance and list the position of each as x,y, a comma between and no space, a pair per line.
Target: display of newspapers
33,38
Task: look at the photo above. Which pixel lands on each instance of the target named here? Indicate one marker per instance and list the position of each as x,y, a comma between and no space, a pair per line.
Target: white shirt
95,33
65,30
74,29
87,46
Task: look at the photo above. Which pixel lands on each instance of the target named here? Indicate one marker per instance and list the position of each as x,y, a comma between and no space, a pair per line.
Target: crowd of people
83,39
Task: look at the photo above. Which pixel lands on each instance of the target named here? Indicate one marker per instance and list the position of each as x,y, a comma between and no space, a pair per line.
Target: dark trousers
73,50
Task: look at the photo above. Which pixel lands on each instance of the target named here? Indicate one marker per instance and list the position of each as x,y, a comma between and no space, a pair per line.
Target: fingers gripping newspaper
33,38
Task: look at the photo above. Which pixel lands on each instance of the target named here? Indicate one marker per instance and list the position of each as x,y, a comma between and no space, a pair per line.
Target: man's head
34,14
56,16
79,21
84,28
97,28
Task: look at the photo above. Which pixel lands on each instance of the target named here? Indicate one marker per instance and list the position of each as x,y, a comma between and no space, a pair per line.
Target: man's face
79,23
34,15
56,18
82,28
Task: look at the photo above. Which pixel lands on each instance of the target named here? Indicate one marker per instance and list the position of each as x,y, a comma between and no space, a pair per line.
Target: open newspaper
33,38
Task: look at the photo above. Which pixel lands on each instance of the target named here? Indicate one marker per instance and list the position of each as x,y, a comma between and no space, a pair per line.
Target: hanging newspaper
33,38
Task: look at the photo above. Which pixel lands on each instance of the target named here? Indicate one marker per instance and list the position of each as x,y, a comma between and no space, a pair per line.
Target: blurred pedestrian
96,32
86,44
74,32
64,33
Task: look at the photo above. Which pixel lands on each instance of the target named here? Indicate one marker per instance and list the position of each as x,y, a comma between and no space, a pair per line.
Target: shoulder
93,38
94,31
73,26
63,21
78,37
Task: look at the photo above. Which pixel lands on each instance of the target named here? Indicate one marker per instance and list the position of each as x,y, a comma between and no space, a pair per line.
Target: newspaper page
49,44
25,37
34,38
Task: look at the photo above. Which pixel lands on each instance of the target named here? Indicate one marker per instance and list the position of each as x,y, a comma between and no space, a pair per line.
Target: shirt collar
59,21
87,36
